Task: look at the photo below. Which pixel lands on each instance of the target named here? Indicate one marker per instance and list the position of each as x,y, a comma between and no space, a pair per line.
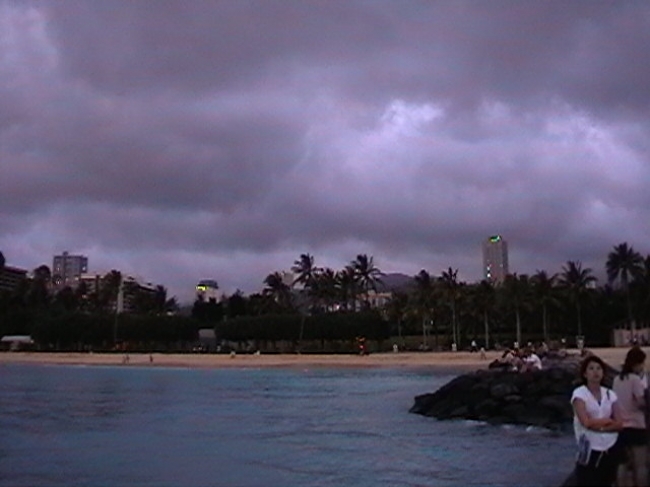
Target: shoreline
452,362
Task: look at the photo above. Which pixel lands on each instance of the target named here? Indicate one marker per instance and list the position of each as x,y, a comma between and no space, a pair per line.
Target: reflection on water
97,426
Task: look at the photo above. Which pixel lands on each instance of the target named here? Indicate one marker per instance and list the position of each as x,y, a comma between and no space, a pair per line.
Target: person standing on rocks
596,422
630,389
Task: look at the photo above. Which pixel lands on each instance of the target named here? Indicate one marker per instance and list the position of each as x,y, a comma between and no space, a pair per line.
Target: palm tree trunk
302,328
631,323
424,332
436,342
544,325
399,330
487,329
454,330
579,319
518,326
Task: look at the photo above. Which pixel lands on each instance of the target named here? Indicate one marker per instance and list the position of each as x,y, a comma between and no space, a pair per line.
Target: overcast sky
180,140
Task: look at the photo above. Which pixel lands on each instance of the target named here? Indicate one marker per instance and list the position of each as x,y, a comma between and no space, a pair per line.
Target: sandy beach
443,361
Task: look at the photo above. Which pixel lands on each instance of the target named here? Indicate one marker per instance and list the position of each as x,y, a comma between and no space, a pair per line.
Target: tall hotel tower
495,259
67,269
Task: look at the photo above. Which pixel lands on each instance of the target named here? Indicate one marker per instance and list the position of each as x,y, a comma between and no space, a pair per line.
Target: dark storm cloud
226,138
594,54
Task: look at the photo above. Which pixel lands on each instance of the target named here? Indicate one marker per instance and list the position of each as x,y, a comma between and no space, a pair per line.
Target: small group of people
610,424
520,360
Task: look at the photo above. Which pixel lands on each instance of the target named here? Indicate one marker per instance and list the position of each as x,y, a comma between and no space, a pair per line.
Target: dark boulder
538,398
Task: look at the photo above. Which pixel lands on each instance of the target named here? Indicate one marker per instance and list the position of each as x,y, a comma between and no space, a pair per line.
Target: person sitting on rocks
531,361
504,362
542,351
510,360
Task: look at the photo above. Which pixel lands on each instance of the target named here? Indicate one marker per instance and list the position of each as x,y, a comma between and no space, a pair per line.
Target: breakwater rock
537,398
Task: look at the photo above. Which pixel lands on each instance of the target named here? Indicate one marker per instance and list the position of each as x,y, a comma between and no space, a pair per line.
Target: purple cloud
222,139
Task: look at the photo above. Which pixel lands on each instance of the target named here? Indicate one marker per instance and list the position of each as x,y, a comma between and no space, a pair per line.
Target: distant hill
397,282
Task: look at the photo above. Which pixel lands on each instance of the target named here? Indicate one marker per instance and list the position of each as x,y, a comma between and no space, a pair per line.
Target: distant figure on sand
631,391
473,346
596,422
361,343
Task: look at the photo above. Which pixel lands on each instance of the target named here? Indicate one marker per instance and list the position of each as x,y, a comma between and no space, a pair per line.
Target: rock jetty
536,398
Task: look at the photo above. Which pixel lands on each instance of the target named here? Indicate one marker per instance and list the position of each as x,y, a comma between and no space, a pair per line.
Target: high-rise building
67,269
11,277
495,259
208,290
129,295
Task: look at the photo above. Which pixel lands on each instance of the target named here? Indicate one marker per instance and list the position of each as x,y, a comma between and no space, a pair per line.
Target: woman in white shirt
630,390
596,423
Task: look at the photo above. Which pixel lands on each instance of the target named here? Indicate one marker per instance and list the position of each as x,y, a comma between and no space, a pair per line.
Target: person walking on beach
631,390
596,422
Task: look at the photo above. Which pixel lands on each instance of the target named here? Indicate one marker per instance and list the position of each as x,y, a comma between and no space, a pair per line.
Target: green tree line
322,304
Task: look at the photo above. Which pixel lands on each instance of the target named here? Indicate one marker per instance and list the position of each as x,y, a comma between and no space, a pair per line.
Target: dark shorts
633,437
600,471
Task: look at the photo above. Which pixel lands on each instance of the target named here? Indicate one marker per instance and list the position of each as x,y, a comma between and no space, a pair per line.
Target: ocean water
140,426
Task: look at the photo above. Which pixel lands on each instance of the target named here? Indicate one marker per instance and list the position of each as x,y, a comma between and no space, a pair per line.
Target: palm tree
39,289
348,287
544,287
396,309
111,284
81,295
640,287
367,275
516,292
423,301
326,289
449,280
484,299
43,273
2,262
278,290
624,264
576,280
111,291
305,269
159,299
171,305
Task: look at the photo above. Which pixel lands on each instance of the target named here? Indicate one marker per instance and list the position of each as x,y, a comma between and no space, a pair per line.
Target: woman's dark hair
585,363
634,357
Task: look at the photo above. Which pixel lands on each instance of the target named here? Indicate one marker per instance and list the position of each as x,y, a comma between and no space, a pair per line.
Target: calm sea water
136,426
